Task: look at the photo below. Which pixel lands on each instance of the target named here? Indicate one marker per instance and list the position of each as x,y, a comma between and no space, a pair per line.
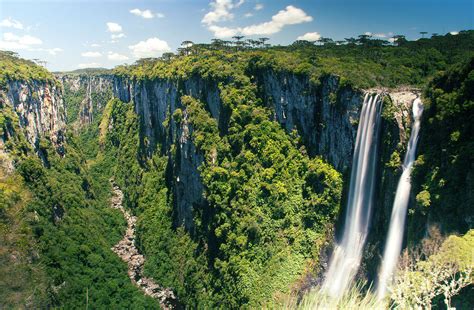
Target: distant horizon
103,34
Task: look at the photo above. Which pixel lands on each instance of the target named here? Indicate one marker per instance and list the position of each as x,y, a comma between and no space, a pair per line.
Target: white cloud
289,16
95,45
11,23
153,47
258,7
117,36
310,36
89,65
113,27
248,15
220,11
147,14
23,40
11,41
454,33
380,35
116,57
368,33
223,32
91,54
54,51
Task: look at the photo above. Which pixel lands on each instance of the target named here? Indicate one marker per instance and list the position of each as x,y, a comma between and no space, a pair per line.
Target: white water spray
347,255
393,245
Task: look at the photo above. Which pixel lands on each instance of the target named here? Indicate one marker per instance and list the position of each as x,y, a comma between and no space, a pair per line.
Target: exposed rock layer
40,109
325,116
96,90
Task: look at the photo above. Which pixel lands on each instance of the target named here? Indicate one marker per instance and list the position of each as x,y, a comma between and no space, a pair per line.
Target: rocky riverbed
129,253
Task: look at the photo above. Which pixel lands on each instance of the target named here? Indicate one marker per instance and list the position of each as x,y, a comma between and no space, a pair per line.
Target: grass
355,298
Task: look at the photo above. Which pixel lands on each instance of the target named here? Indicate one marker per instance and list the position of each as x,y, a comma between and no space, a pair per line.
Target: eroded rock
128,252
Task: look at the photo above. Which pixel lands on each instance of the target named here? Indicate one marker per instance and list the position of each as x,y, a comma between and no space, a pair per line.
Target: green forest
270,206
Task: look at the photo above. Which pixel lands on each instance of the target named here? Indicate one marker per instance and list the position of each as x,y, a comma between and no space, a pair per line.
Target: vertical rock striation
94,90
40,109
324,115
155,102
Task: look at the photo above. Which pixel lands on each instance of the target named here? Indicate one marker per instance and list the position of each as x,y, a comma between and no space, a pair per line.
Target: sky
73,34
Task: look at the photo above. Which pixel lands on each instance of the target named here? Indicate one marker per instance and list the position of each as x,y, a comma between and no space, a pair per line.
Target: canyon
235,178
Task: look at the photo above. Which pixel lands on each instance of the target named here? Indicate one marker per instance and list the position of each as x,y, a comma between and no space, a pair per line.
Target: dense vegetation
444,173
75,230
56,227
268,207
362,65
61,214
13,68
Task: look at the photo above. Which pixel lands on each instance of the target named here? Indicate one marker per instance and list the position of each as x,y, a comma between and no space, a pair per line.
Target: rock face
325,116
127,251
40,109
327,128
155,102
95,90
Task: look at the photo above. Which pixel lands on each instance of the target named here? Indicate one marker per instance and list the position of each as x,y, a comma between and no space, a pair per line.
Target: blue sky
82,33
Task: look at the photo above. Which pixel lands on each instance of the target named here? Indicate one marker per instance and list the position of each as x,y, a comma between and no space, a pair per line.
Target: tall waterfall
397,221
346,257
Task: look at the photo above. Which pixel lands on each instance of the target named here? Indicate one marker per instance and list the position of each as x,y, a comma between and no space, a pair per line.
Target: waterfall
347,254
397,221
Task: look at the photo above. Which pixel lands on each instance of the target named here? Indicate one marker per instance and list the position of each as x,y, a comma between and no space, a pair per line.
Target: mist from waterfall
347,254
393,244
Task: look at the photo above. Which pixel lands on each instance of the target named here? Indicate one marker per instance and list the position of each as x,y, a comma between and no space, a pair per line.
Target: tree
351,41
327,41
364,39
238,42
423,34
263,40
399,39
253,43
167,56
186,46
217,43
301,43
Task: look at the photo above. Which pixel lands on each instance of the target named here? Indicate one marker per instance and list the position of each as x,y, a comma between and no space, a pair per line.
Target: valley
237,172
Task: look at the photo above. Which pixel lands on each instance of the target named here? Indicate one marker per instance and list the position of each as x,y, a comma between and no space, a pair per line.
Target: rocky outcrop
40,109
94,91
155,102
325,115
127,251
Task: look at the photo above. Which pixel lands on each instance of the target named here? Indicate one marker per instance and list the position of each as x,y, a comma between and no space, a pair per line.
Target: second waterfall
393,244
347,255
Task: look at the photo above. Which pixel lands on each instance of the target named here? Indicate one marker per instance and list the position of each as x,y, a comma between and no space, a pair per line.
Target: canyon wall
40,110
86,96
325,116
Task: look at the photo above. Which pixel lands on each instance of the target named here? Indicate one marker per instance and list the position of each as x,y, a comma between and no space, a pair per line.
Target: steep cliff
39,107
85,96
325,115
155,101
